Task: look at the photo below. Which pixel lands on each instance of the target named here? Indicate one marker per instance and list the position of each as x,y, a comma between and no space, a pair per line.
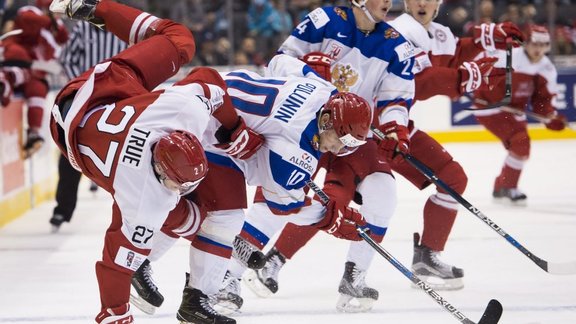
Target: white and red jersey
284,110
532,84
376,66
438,55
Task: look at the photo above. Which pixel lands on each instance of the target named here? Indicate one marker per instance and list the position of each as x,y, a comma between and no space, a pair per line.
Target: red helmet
351,117
43,3
538,34
180,156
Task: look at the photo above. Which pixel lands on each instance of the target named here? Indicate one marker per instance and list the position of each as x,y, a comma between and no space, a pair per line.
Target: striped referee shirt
88,46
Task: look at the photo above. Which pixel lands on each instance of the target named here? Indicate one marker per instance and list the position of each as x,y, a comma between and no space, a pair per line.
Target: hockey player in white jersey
443,58
142,146
301,118
366,56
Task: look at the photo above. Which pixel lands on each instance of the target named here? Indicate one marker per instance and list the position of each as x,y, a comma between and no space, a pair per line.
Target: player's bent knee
520,145
223,226
454,176
379,198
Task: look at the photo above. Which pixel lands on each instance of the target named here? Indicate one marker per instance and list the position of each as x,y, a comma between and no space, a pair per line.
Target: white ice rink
47,278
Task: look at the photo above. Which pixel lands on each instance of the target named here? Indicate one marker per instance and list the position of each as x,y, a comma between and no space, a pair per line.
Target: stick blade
561,268
492,313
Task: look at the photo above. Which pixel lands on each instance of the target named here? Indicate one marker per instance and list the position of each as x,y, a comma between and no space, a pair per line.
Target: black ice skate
430,269
247,254
264,282
147,297
77,9
196,309
33,144
228,301
56,221
355,295
511,196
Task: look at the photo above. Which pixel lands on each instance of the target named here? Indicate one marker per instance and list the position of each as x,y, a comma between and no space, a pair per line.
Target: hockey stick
535,116
552,268
465,112
492,312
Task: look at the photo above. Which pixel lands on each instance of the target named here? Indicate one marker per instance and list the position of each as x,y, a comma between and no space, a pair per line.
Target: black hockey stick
552,268
492,312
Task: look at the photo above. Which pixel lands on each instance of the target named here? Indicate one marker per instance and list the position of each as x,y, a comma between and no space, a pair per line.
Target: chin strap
362,5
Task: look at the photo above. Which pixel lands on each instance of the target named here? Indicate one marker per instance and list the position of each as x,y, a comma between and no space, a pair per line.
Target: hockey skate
33,144
56,221
147,297
77,9
355,295
228,301
264,282
511,196
247,254
430,269
196,309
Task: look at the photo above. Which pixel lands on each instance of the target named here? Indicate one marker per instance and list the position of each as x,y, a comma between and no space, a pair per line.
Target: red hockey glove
397,139
493,36
557,122
341,221
5,90
320,63
474,74
241,142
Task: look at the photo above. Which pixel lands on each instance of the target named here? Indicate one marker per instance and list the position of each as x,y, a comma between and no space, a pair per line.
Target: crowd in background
248,32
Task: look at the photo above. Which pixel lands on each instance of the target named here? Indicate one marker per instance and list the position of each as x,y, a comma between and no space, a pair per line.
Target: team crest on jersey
391,33
315,142
440,35
341,13
344,77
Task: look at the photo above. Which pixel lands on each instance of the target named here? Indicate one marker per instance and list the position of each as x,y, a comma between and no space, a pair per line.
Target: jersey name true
294,101
135,147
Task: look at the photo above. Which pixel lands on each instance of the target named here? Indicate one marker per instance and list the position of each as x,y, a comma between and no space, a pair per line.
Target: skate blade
27,153
141,304
226,308
509,202
256,286
349,304
440,284
54,229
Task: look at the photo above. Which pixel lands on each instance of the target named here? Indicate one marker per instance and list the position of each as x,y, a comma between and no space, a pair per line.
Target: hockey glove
493,36
475,74
557,122
241,142
341,221
397,139
320,63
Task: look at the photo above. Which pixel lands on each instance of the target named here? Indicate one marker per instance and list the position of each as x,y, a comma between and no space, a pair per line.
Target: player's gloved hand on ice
341,221
396,140
557,121
493,36
476,73
320,63
241,142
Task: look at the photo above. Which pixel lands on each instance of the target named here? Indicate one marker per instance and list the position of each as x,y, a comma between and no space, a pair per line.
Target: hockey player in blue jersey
358,52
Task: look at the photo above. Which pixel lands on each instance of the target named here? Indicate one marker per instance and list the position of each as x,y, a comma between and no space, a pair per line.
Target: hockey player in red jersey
140,145
41,37
533,84
443,65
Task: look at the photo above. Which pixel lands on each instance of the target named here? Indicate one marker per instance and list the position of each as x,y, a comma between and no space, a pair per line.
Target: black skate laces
242,250
147,275
272,268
